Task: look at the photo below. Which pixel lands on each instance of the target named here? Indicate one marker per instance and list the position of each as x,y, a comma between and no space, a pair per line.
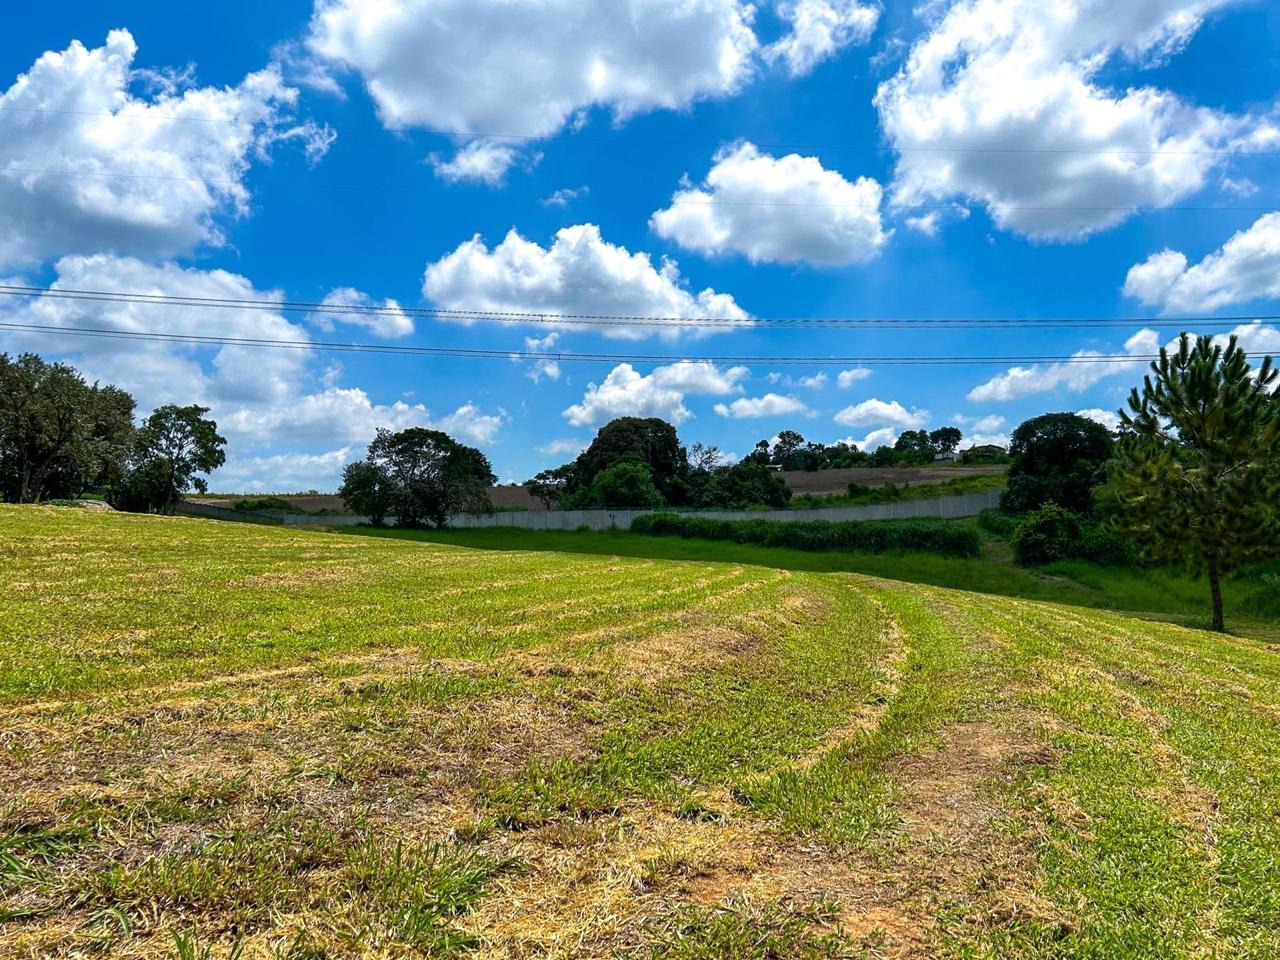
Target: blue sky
808,159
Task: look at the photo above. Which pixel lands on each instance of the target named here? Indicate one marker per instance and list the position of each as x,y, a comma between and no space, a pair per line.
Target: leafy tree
367,490
173,445
1057,458
788,442
747,483
648,439
627,484
883,457
550,485
914,447
945,440
761,453
430,475
57,433
1197,475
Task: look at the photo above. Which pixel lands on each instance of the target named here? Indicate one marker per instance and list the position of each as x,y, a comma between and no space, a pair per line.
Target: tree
704,459
788,442
945,440
747,483
1057,458
57,433
1197,475
173,445
549,485
914,447
648,439
367,490
429,476
627,484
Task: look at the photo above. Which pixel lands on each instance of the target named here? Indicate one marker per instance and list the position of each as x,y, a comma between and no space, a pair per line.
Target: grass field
222,738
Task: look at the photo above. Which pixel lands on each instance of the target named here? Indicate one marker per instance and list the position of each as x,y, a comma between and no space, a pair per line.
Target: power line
558,356
641,201
606,320
149,113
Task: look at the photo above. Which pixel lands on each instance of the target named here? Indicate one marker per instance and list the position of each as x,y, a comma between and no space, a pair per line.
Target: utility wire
559,356
622,320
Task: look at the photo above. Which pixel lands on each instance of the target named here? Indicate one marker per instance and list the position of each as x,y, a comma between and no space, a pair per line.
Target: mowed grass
1252,598
229,740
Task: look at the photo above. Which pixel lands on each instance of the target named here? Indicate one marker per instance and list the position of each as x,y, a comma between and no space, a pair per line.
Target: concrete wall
967,504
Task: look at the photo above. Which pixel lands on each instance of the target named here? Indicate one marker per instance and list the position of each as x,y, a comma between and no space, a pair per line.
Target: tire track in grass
1232,758
1114,853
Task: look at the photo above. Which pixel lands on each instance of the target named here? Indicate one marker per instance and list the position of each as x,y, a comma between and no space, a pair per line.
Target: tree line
62,437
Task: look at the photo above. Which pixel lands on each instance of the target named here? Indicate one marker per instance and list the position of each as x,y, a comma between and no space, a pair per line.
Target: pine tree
1197,470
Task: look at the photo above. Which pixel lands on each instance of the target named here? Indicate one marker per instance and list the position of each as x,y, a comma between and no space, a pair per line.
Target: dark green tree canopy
626,484
58,434
172,447
648,439
420,475
945,440
366,490
1057,458
1197,472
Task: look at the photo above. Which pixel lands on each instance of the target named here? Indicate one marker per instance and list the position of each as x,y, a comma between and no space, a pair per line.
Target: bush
1104,547
251,504
1045,535
997,522
872,536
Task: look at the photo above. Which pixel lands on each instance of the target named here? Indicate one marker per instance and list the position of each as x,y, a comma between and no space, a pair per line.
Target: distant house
944,457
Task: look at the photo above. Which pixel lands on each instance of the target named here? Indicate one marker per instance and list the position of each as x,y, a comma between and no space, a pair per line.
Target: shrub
251,504
873,536
997,522
1104,547
1045,535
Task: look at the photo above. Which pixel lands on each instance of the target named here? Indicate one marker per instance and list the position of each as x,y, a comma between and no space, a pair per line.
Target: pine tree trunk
1215,591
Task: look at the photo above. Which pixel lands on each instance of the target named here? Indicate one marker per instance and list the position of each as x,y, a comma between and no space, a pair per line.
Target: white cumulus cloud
776,210
818,30
268,403
847,378
1244,269
1108,418
1000,103
87,166
624,392
356,308
1083,371
480,161
579,273
769,405
876,412
472,67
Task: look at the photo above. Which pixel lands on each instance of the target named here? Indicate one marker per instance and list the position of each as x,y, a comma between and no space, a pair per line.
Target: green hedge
871,536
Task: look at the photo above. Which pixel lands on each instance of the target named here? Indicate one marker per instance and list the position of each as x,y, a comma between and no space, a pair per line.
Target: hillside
318,745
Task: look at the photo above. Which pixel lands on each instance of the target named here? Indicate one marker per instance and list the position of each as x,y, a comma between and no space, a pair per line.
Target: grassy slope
1159,594
321,745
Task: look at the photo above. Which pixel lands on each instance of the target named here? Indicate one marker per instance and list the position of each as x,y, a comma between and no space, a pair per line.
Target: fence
961,505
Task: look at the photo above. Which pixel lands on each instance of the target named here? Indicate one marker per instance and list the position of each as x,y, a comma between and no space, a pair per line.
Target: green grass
1169,594
224,740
